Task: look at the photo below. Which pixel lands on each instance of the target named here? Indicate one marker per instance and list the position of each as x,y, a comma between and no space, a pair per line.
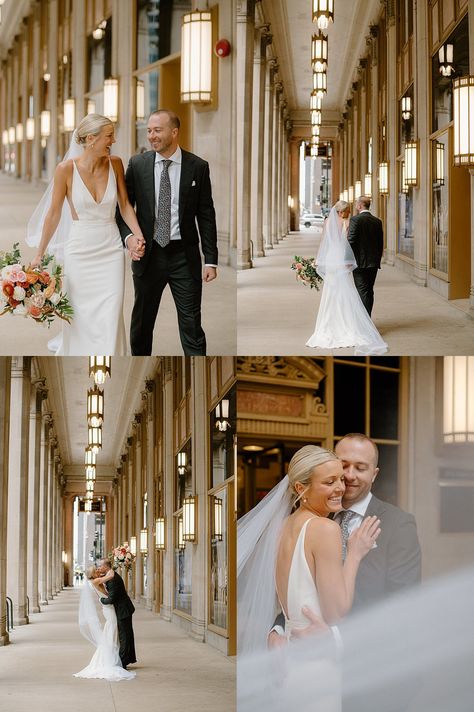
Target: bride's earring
305,499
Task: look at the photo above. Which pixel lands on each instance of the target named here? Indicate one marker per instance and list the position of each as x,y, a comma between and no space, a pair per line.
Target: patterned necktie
162,232
344,519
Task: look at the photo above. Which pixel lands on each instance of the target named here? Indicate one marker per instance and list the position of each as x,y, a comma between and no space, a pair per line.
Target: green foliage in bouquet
305,268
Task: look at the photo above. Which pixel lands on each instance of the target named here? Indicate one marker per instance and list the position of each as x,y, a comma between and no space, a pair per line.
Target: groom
171,189
365,236
124,609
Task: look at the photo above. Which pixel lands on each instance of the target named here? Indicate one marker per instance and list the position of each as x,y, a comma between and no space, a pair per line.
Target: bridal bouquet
32,292
305,268
122,557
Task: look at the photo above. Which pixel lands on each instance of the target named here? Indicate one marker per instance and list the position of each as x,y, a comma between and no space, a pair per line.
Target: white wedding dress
342,320
94,273
105,663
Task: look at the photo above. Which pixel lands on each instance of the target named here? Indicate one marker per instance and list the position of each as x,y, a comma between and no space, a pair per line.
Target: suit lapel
149,179
376,507
185,180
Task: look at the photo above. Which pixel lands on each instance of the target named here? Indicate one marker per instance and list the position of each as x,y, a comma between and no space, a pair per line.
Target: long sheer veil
36,222
258,535
335,253
89,623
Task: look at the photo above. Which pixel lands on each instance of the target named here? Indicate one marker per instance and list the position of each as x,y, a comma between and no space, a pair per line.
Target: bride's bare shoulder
64,168
323,529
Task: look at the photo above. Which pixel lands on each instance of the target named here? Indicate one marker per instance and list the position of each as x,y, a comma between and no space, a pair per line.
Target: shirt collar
364,211
176,157
361,506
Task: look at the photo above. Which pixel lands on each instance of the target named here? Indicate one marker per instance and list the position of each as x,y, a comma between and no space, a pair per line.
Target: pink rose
21,276
299,265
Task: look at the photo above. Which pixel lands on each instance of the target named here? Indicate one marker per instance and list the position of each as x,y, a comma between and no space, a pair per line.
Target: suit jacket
118,597
365,236
196,208
394,564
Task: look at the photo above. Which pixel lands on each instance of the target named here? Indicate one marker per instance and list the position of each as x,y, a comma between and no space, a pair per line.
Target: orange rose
34,311
32,277
8,289
45,277
50,289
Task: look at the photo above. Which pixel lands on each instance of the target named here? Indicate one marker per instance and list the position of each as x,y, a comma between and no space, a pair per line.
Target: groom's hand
275,640
136,247
316,626
210,273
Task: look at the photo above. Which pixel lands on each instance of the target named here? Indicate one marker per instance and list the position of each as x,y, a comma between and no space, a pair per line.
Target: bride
75,220
105,662
342,319
294,560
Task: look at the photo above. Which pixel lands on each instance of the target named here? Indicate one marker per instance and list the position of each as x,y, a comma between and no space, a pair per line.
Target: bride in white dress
342,319
75,220
289,561
105,663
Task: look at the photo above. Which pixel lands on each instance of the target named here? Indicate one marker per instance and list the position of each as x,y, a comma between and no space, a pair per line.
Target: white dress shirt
174,172
360,508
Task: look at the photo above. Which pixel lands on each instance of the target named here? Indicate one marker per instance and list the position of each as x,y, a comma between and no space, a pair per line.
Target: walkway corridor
174,672
21,336
276,314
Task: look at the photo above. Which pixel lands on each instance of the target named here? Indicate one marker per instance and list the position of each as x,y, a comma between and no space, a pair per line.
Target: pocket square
193,184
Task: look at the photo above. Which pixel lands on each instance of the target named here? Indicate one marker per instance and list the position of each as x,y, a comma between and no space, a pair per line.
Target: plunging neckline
85,186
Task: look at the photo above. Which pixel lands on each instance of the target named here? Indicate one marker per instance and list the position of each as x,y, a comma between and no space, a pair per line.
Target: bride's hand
363,539
36,261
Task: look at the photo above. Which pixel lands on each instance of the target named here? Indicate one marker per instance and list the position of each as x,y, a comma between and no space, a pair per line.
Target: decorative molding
289,371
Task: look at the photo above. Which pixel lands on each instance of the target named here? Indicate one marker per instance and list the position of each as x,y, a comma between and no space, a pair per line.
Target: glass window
406,237
222,442
384,404
457,506
184,479
183,573
442,86
440,203
349,399
219,562
385,485
159,29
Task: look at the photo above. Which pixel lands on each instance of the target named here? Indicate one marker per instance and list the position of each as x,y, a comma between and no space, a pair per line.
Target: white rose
20,310
55,298
7,272
19,294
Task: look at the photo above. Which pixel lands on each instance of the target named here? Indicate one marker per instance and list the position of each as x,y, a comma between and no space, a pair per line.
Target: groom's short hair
107,563
175,123
365,201
363,438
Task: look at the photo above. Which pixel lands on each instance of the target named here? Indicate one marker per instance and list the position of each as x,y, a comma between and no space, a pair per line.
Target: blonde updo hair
90,571
91,125
303,462
341,205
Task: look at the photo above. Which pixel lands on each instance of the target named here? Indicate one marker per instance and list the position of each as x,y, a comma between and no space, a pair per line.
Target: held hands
316,626
362,540
136,247
209,274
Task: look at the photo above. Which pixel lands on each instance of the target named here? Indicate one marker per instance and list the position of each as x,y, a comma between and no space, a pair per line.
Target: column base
4,639
269,247
261,254
21,621
35,609
44,602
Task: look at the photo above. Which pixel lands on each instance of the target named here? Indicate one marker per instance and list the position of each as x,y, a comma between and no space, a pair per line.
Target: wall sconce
368,185
404,186
143,541
463,101
411,163
323,13
90,457
316,117
217,519
100,368
345,195
316,101
99,31
438,164
140,100
90,106
5,137
133,545
383,178
182,460
196,57
90,473
30,129
64,557
445,58
458,399
181,542
95,439
160,534
320,83
291,205
111,99
19,133
45,124
406,108
69,115
222,408
189,518
319,52
357,189
11,135
95,407
350,194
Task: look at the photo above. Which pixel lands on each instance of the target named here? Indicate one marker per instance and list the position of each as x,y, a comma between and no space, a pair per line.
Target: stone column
258,137
36,149
123,62
5,363
268,155
168,468
18,487
243,126
52,147
138,504
374,115
149,438
294,187
392,131
47,424
39,393
50,514
25,146
275,162
471,171
79,48
68,528
200,418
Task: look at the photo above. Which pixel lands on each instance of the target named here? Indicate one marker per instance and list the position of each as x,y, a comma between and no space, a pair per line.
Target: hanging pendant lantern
323,13
95,407
319,52
99,368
